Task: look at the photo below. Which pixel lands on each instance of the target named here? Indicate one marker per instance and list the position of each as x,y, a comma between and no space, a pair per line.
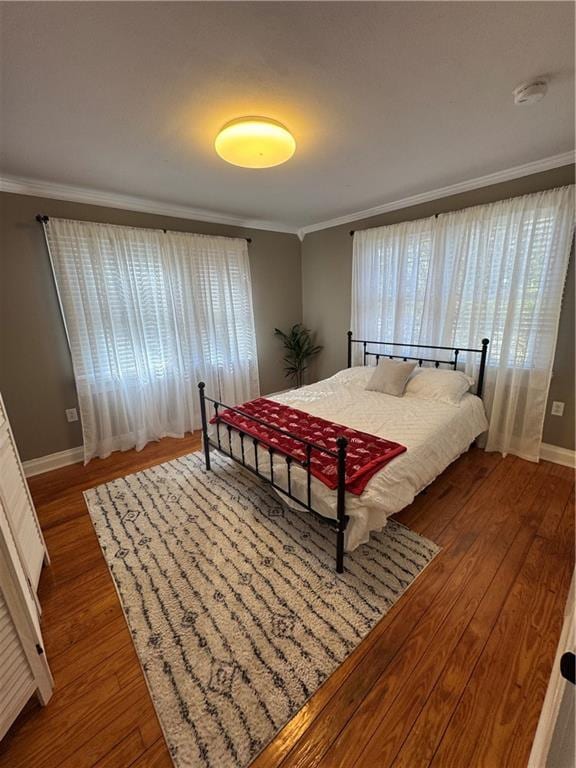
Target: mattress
434,433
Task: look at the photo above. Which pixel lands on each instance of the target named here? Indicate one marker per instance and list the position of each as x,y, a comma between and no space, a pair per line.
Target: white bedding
434,433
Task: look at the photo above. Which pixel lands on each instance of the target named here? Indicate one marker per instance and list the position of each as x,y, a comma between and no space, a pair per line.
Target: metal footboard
224,444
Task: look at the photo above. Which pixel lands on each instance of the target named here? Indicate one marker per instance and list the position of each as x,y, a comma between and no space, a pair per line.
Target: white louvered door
16,679
18,504
23,666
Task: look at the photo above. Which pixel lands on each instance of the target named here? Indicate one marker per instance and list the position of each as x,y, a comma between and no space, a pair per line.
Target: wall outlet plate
557,408
71,414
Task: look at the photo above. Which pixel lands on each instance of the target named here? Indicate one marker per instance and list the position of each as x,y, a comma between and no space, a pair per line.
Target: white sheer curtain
149,314
495,271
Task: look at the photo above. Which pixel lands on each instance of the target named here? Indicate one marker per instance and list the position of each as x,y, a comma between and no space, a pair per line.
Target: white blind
494,271
148,315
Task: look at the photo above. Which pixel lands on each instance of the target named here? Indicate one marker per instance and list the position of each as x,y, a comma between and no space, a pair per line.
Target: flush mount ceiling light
255,142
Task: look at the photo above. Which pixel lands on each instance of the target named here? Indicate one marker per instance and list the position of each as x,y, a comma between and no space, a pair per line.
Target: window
148,315
494,271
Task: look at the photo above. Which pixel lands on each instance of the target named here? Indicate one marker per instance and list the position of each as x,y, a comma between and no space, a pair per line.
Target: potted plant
299,349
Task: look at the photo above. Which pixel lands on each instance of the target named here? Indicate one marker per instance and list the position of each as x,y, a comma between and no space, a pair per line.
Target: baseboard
32,467
53,461
558,455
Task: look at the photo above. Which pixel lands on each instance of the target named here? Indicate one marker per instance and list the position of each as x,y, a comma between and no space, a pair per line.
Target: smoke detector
530,92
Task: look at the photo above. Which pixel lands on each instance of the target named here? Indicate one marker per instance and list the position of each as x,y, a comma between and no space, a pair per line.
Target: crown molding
21,185
537,166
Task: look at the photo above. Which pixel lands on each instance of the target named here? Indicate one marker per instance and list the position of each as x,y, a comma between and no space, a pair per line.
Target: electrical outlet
71,414
557,408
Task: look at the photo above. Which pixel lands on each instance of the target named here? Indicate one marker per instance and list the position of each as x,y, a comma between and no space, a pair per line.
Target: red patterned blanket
366,454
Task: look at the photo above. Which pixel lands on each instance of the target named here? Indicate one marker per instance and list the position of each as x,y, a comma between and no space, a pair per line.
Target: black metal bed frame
341,520
437,363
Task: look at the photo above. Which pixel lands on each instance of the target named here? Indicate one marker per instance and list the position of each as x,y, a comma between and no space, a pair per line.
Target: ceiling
386,100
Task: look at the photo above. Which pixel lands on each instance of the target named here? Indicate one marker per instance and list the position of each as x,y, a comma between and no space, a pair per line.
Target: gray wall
290,282
36,378
326,289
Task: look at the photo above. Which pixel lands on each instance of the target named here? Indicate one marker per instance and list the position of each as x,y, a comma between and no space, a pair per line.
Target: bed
434,434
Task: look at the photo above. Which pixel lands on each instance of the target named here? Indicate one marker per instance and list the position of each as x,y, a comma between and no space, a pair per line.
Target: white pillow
437,384
390,377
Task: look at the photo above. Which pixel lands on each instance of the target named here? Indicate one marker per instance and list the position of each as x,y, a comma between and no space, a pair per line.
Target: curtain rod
354,230
42,219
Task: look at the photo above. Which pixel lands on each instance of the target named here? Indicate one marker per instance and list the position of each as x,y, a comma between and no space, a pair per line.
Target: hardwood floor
454,675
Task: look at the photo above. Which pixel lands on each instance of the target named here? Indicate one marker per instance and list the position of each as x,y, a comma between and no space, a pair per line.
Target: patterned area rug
236,610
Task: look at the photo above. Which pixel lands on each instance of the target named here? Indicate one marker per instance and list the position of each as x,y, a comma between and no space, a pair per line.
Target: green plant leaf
299,348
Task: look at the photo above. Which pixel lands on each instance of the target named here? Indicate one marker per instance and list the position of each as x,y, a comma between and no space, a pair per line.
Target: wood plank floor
454,675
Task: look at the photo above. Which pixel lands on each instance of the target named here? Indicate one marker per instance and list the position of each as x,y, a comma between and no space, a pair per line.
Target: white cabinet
23,666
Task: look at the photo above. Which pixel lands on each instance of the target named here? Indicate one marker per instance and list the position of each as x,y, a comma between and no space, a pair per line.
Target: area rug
233,602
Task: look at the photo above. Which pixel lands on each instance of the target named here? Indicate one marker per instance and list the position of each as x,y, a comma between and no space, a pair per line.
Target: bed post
205,442
482,370
341,503
349,349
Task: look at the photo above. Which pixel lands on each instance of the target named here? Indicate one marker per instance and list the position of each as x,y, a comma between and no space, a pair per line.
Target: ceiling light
255,142
531,92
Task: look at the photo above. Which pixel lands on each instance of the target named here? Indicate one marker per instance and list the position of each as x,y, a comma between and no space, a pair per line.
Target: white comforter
434,433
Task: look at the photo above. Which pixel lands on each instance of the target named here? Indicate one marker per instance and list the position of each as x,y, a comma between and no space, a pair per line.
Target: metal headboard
453,362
